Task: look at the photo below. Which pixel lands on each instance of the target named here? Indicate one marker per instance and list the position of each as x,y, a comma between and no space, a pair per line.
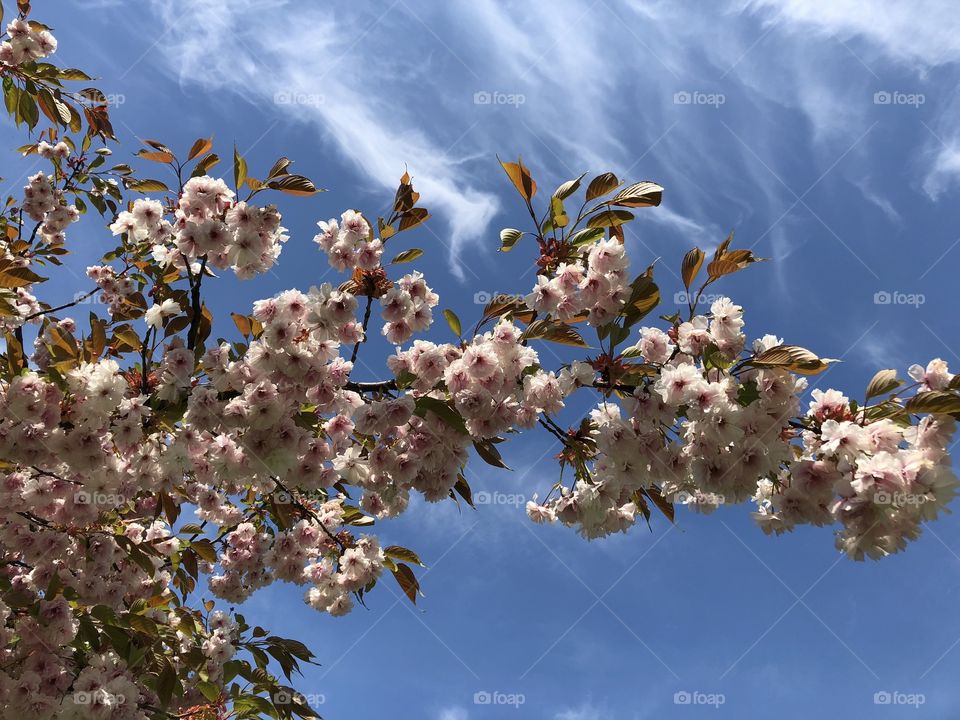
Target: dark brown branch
366,321
195,305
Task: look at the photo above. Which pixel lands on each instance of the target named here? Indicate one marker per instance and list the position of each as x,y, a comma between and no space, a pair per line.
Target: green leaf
609,218
73,74
27,110
401,553
644,297
463,490
489,454
748,393
883,382
934,401
663,505
407,256
568,188
453,321
166,683
11,95
442,410
293,185
239,169
586,236
145,186
509,238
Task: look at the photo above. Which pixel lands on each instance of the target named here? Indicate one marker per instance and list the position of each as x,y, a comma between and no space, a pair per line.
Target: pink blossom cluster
407,308
57,151
114,288
22,304
26,43
348,243
704,434
46,205
101,458
207,224
879,480
600,287
494,381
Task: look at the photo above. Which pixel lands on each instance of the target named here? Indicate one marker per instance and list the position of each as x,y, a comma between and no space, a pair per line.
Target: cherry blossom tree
153,477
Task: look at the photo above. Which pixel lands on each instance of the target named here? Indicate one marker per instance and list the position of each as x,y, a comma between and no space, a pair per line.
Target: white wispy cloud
310,72
585,711
923,31
920,35
573,86
453,713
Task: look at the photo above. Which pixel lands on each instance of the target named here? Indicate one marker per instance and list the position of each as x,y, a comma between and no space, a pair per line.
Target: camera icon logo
682,98
882,97
482,97
882,698
682,697
882,297
482,698
482,297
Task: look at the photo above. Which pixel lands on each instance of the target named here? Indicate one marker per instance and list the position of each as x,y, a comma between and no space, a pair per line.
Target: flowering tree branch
144,465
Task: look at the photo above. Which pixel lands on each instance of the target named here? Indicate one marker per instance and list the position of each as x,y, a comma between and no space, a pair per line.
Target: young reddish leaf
692,262
201,146
521,179
407,581
601,185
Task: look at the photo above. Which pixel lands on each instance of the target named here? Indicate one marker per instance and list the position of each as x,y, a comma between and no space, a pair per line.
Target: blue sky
823,134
